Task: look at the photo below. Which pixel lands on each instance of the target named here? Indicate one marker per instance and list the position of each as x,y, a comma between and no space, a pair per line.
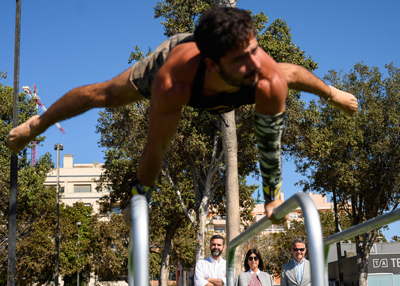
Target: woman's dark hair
260,261
221,30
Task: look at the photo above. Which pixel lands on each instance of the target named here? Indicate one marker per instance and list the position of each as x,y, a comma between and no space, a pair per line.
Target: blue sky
72,43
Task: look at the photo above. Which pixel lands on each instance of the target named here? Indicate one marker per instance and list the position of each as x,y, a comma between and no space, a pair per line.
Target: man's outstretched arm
301,79
168,96
113,93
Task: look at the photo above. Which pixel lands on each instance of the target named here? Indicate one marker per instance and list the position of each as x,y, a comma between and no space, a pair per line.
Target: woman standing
254,274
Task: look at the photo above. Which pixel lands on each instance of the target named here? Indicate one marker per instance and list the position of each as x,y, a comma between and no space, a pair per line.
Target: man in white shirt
212,270
297,272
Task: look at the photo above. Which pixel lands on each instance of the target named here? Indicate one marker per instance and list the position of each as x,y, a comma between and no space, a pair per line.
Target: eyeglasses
253,257
298,249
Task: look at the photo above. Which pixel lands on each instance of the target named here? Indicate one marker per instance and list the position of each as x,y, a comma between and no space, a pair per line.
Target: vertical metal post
138,268
12,217
57,147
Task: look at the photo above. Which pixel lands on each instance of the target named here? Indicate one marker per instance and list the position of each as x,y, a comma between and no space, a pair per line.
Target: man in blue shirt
297,272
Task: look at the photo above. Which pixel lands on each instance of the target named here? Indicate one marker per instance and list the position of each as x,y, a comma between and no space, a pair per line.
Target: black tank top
222,102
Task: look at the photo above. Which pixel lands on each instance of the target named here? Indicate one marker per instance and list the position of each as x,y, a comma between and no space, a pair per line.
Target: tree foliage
34,217
356,157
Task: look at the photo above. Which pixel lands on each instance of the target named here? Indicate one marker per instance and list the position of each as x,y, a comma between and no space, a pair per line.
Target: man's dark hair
221,30
260,261
298,240
217,236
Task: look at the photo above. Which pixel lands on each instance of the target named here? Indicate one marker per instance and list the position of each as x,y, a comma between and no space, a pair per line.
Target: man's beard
239,82
216,253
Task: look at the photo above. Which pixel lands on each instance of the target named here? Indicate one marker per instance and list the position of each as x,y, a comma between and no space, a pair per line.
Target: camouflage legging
268,130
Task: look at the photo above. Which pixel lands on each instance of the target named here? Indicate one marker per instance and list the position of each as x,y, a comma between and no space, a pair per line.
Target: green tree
166,220
355,157
109,247
34,260
76,241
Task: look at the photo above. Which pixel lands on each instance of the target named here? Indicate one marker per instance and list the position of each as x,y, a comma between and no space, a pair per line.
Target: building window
82,188
87,205
292,215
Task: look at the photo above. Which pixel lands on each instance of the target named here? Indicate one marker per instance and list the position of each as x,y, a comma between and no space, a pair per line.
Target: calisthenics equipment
138,266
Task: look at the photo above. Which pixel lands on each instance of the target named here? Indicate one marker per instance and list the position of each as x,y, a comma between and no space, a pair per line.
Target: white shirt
209,268
251,271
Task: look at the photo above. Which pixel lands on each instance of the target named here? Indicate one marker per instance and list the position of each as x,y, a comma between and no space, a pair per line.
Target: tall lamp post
57,147
12,210
77,275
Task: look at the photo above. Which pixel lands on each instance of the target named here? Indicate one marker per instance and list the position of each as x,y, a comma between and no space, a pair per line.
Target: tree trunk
201,224
229,141
164,270
363,252
184,276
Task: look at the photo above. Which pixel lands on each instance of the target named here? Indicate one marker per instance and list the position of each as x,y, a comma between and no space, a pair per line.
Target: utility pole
12,211
57,147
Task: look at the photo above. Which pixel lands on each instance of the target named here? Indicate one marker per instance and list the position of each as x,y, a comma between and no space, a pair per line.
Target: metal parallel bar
138,268
314,233
359,229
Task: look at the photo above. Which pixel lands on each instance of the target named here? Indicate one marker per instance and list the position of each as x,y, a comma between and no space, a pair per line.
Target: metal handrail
359,229
138,261
314,233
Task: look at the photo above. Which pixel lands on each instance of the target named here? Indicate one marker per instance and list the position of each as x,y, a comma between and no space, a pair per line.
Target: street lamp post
57,147
77,275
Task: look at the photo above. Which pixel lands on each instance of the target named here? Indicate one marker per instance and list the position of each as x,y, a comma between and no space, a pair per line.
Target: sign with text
384,263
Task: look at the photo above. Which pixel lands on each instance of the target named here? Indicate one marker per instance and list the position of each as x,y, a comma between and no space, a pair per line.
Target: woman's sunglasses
253,257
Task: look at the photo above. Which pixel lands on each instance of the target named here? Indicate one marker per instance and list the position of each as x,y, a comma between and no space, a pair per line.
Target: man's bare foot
269,210
344,101
21,135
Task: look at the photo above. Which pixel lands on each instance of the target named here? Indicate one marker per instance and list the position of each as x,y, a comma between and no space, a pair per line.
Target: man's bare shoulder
271,89
183,61
172,85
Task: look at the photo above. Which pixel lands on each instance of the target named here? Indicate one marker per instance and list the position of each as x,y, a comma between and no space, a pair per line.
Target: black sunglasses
297,249
251,258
